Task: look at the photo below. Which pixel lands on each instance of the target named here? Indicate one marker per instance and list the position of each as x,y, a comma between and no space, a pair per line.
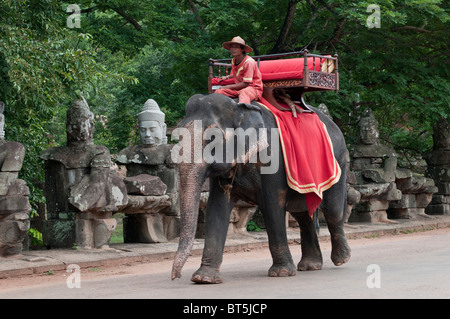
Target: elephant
234,180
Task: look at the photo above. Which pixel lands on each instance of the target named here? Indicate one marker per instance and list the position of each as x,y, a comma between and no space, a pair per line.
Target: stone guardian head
80,123
152,128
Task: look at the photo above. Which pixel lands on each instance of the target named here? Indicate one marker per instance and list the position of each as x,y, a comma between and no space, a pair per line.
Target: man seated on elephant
248,84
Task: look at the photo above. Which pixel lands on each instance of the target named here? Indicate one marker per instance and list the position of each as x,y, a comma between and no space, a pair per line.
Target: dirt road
414,265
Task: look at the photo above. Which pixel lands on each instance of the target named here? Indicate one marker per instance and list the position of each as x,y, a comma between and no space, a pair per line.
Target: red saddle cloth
311,167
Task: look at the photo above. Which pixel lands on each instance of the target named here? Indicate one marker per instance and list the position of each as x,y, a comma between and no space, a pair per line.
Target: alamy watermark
74,279
373,20
232,146
374,279
73,20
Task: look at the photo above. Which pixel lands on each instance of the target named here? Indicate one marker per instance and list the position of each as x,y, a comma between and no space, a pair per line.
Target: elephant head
210,147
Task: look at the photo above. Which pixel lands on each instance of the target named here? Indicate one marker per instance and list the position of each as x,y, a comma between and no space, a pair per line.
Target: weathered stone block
372,205
392,194
94,233
353,196
147,204
12,204
103,230
13,231
351,177
439,173
368,217
374,151
402,173
416,184
438,158
144,228
407,201
241,214
423,200
440,199
10,249
145,184
18,187
443,188
359,164
402,213
439,209
12,154
368,191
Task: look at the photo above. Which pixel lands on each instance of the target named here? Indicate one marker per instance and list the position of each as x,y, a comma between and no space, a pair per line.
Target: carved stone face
368,129
81,130
368,134
151,133
80,123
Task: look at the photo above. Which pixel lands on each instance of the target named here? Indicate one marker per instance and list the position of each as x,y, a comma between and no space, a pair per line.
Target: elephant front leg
217,221
274,219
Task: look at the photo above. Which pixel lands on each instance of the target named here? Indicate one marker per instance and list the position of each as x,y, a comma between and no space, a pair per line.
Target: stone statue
374,166
150,159
385,190
81,190
14,193
152,128
377,162
152,156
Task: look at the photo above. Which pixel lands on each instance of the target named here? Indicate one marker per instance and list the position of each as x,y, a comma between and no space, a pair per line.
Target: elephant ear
251,122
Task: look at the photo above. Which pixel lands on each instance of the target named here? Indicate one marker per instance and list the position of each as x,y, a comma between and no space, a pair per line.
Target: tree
44,67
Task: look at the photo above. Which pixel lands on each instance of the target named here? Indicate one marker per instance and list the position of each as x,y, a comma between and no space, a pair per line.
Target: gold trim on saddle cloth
308,188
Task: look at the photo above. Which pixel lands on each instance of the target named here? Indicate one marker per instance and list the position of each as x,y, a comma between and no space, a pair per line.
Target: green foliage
252,226
44,66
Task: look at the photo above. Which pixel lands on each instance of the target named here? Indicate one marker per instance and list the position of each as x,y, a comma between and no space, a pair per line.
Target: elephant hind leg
333,205
311,254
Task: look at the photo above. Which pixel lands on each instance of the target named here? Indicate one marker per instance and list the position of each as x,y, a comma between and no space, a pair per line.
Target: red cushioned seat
287,69
277,70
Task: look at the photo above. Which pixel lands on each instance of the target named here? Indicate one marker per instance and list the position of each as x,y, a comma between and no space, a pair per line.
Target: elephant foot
340,252
206,275
282,270
310,264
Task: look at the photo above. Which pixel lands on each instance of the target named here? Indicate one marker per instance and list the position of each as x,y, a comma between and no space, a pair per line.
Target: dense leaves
126,51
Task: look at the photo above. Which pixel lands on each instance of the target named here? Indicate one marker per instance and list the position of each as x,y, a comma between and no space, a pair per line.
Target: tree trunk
280,44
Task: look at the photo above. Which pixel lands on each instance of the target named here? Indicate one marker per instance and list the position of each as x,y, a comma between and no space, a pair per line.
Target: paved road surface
402,266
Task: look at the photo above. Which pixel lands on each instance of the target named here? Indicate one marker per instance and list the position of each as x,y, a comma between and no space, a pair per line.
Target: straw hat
237,40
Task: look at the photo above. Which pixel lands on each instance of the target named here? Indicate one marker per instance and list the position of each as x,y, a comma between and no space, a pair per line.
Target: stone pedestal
374,202
152,215
416,195
144,228
13,228
439,169
14,203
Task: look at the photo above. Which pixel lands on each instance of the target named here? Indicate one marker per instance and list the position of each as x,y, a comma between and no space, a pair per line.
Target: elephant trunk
191,178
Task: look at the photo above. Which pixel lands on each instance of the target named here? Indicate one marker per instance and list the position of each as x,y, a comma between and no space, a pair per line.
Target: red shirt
247,71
